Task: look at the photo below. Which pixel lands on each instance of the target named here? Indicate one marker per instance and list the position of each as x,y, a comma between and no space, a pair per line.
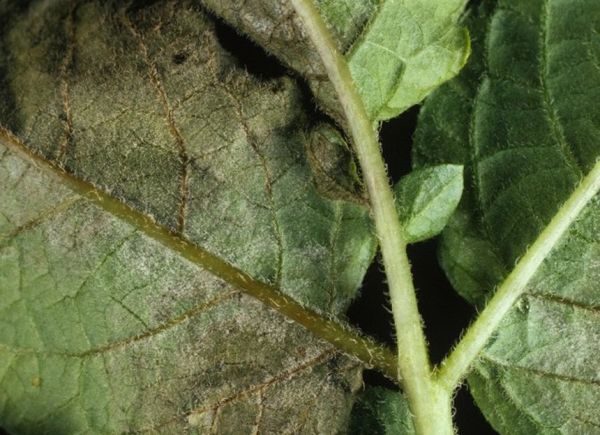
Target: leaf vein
553,117
184,159
594,309
171,323
541,373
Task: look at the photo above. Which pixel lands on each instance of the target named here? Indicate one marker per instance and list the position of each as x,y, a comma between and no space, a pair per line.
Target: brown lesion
334,169
308,410
258,390
180,143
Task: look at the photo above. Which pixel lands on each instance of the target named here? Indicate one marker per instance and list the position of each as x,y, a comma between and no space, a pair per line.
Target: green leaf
381,411
398,50
524,120
408,49
151,192
426,198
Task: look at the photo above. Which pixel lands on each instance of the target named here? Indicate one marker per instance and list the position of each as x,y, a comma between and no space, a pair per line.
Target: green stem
413,361
456,366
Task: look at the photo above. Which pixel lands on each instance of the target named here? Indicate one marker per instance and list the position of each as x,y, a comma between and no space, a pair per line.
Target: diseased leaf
398,50
105,331
102,328
381,411
426,198
201,147
530,132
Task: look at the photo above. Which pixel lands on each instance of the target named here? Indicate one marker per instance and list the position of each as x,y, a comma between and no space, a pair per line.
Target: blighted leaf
398,50
426,198
199,146
524,120
103,328
381,411
105,331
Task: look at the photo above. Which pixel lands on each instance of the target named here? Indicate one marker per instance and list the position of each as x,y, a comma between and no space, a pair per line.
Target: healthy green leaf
381,411
102,328
426,198
524,120
408,48
398,50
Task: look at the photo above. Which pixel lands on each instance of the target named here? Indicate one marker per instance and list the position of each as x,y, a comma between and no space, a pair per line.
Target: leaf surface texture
381,411
426,199
524,119
105,330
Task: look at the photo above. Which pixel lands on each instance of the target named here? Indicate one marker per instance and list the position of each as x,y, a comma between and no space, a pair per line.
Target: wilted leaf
103,329
426,198
398,50
524,119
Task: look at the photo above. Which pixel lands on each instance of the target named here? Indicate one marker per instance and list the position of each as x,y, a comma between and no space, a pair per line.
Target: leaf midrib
344,337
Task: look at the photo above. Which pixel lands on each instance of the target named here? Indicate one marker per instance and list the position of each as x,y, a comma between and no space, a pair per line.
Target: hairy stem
413,361
456,366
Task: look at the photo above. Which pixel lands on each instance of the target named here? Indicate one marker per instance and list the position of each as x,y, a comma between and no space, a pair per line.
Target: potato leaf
142,173
426,198
524,120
